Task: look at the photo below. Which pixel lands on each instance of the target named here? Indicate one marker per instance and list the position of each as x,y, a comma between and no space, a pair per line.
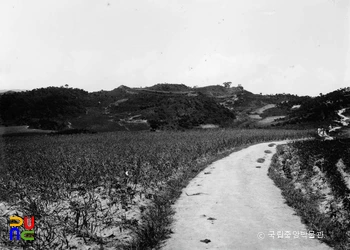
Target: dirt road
234,205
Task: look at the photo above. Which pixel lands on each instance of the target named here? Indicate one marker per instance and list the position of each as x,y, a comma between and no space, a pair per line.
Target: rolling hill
167,106
163,106
320,110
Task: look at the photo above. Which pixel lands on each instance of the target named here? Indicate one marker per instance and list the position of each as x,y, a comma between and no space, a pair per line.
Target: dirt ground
233,204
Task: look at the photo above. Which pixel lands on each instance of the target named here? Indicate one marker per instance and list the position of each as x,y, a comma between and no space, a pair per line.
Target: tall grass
109,189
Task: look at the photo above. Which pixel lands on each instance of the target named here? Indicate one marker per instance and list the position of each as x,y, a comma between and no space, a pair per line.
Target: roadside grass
109,190
310,184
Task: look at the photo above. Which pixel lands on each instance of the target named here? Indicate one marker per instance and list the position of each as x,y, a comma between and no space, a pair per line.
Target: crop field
107,190
315,180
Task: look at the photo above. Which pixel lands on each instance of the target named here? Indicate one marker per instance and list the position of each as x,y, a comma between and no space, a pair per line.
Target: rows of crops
314,178
99,189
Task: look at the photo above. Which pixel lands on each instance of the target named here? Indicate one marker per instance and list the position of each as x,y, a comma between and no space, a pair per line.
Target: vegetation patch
312,177
275,111
45,108
176,112
321,110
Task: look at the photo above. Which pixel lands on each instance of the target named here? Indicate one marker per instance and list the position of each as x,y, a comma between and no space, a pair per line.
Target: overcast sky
268,46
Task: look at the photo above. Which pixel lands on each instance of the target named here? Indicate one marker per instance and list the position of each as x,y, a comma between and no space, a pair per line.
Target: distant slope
171,111
250,108
169,87
104,98
320,110
173,106
166,106
45,108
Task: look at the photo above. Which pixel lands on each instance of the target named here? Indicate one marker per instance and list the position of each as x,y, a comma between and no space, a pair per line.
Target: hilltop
2,91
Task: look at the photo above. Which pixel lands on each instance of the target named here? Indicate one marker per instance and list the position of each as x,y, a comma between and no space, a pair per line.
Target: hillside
45,108
322,110
163,106
173,111
291,111
168,106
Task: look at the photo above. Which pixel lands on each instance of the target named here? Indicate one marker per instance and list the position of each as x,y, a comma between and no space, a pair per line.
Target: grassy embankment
314,177
111,189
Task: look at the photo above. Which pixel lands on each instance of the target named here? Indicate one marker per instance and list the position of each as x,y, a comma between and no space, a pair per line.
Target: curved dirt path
230,202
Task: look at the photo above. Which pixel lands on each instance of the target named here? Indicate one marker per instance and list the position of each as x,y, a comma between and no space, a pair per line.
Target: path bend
230,202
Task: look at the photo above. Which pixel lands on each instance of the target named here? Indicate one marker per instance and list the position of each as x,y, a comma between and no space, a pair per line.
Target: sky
267,46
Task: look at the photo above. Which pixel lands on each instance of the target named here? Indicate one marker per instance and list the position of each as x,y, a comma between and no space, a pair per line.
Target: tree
227,84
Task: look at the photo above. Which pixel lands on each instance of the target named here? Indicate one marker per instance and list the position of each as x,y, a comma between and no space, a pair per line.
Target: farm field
108,190
314,177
